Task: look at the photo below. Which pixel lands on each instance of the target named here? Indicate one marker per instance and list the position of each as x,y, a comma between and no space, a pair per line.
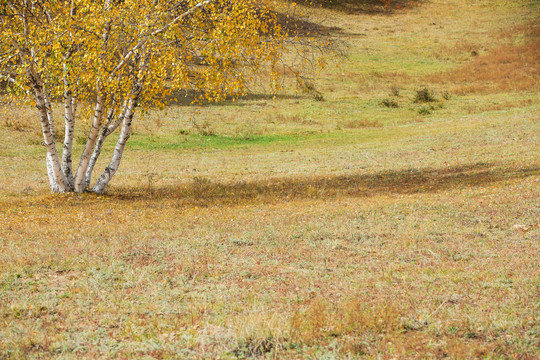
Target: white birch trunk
90,143
69,120
104,133
110,170
55,188
50,172
93,159
49,158
57,180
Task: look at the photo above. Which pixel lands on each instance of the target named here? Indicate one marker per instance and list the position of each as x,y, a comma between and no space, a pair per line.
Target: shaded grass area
203,191
362,6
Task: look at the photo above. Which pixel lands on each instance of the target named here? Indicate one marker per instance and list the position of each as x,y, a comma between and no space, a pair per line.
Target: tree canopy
101,60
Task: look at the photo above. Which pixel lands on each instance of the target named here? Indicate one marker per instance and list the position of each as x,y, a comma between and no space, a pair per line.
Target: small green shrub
204,129
389,103
425,110
318,96
424,96
446,95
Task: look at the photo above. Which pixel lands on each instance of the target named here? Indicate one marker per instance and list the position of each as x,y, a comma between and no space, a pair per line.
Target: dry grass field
396,218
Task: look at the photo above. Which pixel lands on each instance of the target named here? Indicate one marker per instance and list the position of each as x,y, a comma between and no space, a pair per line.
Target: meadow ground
396,218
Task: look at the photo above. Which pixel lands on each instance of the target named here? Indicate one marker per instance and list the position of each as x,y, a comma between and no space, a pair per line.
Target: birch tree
101,60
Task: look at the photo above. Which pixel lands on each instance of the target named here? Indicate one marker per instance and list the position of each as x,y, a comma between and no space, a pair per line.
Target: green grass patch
163,142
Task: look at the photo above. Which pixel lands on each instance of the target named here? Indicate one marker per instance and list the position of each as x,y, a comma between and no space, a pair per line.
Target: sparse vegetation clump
426,110
424,95
360,123
389,103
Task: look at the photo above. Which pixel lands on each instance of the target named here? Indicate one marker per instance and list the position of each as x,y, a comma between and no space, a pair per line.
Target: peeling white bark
107,129
69,120
50,172
90,143
93,159
110,170
49,158
57,179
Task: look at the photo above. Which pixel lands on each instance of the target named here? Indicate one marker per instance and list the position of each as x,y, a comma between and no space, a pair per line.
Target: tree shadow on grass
296,26
206,192
192,97
361,6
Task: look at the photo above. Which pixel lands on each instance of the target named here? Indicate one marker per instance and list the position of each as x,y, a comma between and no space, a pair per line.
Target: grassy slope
302,229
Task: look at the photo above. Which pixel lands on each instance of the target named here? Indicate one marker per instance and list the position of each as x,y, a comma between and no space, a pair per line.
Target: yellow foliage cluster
205,45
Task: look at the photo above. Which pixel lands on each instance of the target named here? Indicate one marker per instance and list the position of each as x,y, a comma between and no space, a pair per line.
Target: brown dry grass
506,68
358,124
378,273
